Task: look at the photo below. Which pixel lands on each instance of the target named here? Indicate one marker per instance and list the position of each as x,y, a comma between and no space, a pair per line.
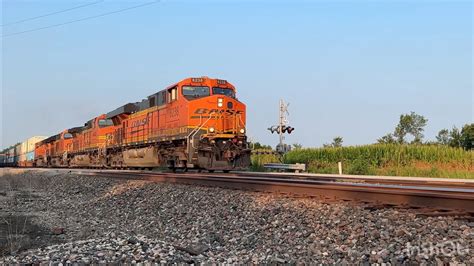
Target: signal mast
282,128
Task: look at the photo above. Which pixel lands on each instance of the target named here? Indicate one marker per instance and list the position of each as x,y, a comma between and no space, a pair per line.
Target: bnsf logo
140,123
203,111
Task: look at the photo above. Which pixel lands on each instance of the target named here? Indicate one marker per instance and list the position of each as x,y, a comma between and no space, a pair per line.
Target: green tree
401,131
337,142
467,136
443,137
412,124
259,146
387,139
455,137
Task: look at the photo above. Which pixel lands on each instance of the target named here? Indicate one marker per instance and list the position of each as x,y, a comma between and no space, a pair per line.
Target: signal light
284,129
274,129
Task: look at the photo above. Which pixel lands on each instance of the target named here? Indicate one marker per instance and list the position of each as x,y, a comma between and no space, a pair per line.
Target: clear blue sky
348,68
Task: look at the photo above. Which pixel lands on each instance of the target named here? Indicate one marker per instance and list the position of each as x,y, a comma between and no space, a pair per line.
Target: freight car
20,154
27,151
7,156
10,157
196,123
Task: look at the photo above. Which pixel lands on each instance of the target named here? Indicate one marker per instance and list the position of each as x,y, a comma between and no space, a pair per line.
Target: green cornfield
386,159
259,160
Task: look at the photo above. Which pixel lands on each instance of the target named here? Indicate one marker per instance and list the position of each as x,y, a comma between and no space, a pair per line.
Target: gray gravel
94,220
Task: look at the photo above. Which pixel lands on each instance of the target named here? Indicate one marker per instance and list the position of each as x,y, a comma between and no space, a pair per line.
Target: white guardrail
297,167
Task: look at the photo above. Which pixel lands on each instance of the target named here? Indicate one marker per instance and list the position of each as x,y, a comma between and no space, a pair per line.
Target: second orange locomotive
195,123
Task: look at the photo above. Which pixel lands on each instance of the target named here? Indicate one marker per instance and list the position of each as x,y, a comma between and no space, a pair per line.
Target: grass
259,160
382,159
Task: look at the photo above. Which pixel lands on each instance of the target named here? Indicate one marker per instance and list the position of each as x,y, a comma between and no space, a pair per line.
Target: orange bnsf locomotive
196,123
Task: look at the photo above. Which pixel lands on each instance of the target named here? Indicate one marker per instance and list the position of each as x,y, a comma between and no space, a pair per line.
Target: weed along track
21,232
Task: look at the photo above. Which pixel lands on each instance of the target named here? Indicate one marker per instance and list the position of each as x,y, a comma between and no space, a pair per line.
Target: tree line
411,126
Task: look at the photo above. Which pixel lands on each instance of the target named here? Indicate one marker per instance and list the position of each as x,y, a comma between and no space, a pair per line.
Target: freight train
197,123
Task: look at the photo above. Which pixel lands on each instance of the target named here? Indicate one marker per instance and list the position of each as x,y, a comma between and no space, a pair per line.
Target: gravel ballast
57,216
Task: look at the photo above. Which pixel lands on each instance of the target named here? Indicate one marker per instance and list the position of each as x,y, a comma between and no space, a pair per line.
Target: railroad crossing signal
287,129
282,128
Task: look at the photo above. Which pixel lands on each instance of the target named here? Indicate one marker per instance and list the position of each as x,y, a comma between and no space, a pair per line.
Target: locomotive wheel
173,169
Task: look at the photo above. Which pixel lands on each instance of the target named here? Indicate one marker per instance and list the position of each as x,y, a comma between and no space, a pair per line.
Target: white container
18,149
29,144
27,147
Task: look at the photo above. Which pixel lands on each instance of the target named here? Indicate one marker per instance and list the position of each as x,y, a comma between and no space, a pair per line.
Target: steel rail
402,181
444,182
394,180
433,197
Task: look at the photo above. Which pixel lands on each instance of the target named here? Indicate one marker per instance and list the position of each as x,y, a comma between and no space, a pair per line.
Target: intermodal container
11,156
30,156
3,159
29,144
17,153
27,150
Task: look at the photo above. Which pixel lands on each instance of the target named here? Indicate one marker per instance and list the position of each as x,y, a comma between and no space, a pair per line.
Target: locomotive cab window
223,91
195,92
105,123
173,94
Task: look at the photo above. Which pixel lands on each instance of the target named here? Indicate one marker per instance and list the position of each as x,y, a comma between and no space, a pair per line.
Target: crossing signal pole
282,128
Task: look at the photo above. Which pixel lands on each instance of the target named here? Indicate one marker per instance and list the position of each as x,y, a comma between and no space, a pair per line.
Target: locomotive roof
58,136
75,130
124,109
50,139
131,108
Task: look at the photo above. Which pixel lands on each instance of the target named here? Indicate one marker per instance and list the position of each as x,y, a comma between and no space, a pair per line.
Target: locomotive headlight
211,129
220,102
242,130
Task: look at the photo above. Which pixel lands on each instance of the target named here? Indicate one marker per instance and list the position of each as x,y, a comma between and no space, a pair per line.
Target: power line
81,19
50,14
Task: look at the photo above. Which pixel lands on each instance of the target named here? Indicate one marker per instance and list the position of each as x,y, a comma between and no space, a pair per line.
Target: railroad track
435,197
428,196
